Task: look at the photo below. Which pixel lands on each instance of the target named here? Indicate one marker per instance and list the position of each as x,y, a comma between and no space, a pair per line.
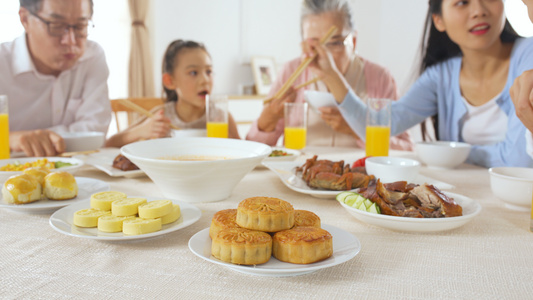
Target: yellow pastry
155,209
110,223
126,207
60,186
302,245
102,200
242,246
265,214
221,220
21,189
173,216
138,226
38,172
88,217
306,218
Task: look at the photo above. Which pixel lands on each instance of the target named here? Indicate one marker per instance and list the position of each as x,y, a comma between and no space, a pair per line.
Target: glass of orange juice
4,128
217,116
295,115
378,119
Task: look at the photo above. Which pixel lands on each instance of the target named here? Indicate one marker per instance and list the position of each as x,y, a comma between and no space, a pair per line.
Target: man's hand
39,142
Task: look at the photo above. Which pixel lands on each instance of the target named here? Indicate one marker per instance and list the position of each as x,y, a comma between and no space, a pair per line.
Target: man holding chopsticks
54,78
366,78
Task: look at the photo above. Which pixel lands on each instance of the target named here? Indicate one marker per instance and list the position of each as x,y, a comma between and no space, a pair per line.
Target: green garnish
61,164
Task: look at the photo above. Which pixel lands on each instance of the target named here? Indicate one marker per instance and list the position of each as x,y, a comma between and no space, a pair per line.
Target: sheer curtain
141,83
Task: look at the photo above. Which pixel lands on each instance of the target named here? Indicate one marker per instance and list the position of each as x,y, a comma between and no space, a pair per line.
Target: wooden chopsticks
301,67
70,154
141,110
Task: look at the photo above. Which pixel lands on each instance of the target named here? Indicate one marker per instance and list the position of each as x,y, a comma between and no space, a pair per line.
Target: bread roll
302,245
21,189
60,186
265,214
38,172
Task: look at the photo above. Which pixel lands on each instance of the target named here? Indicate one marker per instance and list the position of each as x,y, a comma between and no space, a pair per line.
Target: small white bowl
83,141
441,154
189,132
318,99
513,185
199,180
392,169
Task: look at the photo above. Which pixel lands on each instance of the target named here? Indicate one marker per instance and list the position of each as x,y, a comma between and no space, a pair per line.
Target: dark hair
35,6
170,59
437,47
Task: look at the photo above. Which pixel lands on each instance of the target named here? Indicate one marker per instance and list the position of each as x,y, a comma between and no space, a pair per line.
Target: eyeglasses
58,29
337,45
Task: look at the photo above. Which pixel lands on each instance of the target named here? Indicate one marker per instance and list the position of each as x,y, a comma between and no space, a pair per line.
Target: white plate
285,172
345,247
103,160
61,221
86,187
293,154
470,209
71,169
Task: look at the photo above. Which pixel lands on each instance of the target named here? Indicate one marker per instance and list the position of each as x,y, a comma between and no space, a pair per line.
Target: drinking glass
295,115
4,128
217,116
378,119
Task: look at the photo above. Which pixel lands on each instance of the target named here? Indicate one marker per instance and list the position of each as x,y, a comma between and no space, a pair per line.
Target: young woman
187,80
471,58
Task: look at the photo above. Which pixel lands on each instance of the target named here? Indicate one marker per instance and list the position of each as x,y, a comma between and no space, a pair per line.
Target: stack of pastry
38,182
265,226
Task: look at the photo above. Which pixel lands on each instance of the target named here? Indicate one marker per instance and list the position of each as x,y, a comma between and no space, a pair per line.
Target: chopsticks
69,154
141,110
301,68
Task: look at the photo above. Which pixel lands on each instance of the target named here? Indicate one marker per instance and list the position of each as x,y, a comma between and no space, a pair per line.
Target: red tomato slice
360,162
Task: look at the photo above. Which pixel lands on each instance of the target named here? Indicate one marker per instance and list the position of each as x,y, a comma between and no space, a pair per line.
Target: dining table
489,257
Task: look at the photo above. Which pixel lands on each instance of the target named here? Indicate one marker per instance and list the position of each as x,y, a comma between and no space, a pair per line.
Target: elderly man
367,79
55,79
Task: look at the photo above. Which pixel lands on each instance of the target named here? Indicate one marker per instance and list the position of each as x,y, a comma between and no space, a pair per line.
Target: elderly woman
367,79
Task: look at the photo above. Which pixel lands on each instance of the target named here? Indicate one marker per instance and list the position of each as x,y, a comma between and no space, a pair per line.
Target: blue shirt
438,91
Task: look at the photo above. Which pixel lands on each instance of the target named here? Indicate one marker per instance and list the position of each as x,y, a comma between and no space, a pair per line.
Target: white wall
235,30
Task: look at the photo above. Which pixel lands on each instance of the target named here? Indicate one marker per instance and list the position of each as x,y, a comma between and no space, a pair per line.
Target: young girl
471,58
187,80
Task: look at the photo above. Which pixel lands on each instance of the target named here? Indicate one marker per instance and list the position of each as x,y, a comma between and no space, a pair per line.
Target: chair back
147,103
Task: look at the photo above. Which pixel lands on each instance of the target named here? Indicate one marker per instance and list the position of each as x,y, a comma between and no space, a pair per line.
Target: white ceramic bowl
83,141
512,185
391,169
4,175
189,133
441,154
196,181
318,99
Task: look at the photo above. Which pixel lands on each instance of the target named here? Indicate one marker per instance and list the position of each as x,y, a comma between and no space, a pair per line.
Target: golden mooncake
304,218
265,214
221,220
302,245
21,189
60,186
242,246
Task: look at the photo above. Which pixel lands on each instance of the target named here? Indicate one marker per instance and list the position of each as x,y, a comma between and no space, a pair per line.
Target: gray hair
317,7
35,6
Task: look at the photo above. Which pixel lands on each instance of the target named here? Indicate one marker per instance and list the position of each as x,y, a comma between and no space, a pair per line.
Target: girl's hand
334,119
155,127
522,96
273,111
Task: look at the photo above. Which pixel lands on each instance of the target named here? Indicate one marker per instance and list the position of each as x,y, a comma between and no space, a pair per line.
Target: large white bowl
512,185
196,181
391,169
441,154
83,141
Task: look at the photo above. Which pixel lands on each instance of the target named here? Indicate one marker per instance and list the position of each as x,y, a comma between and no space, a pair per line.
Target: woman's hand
273,111
522,96
155,127
332,116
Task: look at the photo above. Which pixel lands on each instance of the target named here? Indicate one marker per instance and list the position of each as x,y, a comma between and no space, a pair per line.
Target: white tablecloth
491,257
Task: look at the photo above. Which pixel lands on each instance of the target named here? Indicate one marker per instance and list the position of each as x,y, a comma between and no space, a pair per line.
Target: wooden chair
146,103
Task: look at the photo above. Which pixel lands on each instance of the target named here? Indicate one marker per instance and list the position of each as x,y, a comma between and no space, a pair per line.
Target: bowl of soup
196,169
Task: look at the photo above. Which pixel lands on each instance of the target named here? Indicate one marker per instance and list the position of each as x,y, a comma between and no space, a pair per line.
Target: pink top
367,79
